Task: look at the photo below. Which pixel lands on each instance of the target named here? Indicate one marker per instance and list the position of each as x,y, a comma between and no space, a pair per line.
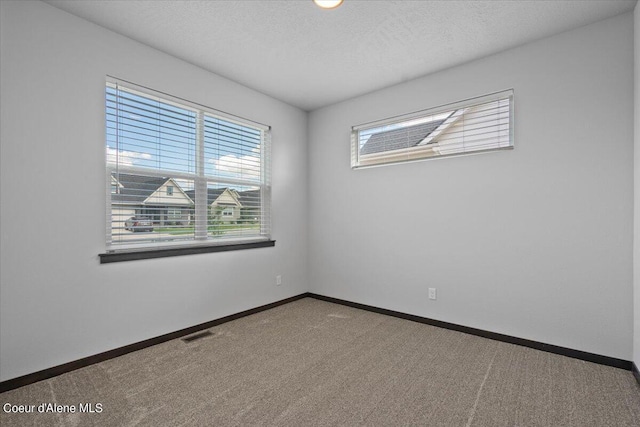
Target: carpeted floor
313,363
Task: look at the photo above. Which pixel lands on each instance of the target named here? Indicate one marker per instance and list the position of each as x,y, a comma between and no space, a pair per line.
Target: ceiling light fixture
328,4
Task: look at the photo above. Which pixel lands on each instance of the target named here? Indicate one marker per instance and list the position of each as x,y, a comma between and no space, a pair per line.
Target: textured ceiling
308,57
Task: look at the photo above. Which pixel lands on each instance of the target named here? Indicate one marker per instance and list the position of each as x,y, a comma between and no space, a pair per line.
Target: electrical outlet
432,293
278,280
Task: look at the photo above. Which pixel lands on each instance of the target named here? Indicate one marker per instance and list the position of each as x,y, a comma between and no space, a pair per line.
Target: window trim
169,248
424,151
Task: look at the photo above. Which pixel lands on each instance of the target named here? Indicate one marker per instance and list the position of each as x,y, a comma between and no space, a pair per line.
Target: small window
169,190
471,126
174,214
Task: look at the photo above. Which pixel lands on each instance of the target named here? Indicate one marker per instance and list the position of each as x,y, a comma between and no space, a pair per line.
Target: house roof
135,189
212,194
250,198
395,139
247,199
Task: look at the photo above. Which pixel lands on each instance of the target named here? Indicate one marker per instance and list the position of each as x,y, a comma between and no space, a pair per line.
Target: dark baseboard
576,354
101,357
90,360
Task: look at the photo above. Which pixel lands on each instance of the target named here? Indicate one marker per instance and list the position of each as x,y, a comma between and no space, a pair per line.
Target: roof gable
169,193
142,189
135,189
212,194
227,198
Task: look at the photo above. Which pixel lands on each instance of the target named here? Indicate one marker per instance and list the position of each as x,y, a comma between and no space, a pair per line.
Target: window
174,214
174,163
471,126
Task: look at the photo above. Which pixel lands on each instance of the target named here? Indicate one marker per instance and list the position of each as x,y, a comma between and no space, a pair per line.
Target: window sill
162,253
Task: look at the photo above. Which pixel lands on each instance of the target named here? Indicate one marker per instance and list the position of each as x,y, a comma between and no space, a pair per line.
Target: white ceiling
308,57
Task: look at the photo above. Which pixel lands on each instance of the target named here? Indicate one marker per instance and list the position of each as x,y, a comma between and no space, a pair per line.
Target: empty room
292,213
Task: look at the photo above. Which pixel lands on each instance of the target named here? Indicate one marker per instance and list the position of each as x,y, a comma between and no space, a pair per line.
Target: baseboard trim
101,357
576,354
636,373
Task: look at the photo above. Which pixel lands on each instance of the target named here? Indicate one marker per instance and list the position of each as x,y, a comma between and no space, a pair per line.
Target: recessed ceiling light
328,4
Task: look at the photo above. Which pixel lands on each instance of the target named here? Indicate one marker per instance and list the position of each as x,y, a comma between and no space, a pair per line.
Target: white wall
57,303
636,216
534,242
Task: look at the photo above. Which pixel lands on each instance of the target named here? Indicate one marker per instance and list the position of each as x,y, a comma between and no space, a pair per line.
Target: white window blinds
182,174
475,125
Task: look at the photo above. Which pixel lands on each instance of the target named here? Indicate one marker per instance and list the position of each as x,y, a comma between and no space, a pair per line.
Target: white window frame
200,179
174,214
500,131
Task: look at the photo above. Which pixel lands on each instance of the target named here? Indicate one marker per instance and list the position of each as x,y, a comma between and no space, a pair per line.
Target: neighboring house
158,198
224,203
163,201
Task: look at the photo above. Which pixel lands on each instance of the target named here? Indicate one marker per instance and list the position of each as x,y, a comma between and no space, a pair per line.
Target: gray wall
57,303
636,228
534,242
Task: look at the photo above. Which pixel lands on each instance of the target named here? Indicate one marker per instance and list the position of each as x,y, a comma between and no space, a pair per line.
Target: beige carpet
313,363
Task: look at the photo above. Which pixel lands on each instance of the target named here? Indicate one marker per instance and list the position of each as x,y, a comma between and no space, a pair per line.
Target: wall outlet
278,280
432,293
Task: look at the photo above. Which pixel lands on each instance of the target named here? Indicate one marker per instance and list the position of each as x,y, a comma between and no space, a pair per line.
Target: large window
471,126
182,175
